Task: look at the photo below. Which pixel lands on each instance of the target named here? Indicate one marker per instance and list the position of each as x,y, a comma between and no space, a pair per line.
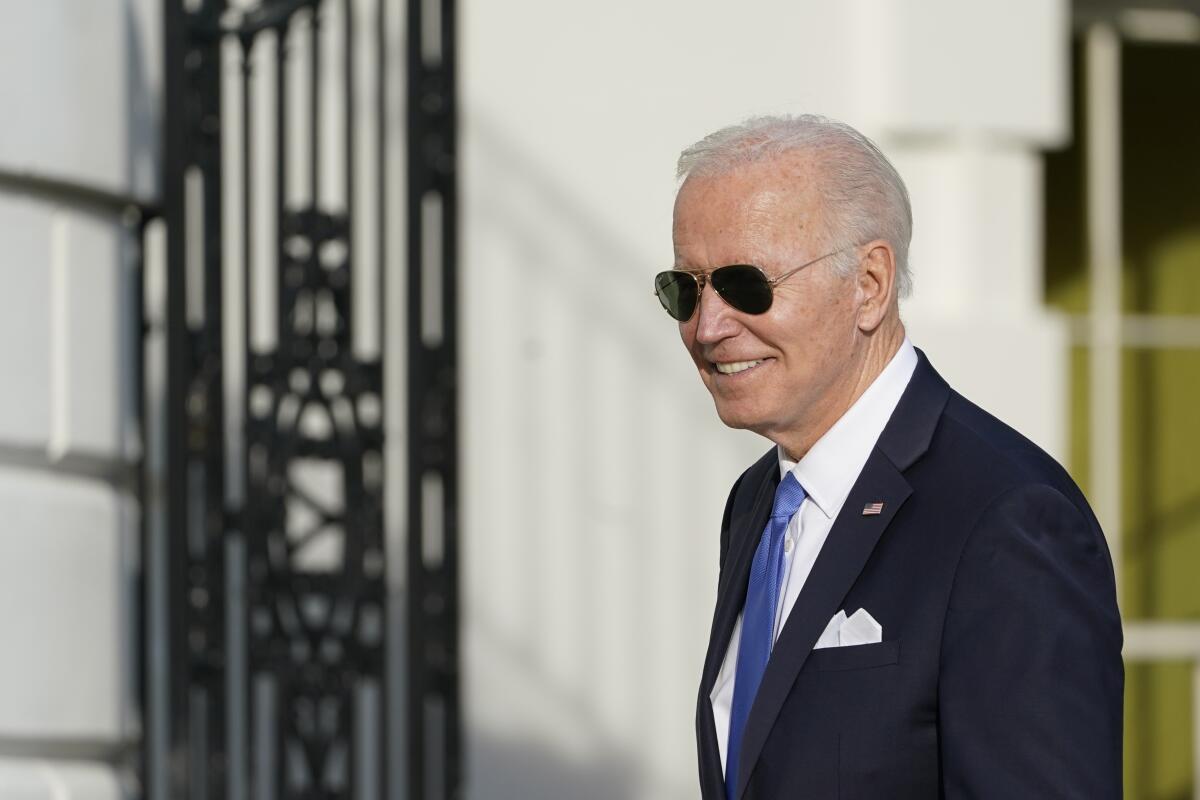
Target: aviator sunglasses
744,287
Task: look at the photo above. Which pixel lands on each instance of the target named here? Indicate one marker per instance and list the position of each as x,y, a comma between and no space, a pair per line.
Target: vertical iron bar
449,368
247,47
175,737
432,602
195,421
207,439
284,703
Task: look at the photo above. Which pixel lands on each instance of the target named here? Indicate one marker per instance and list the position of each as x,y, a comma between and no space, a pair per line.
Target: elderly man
915,601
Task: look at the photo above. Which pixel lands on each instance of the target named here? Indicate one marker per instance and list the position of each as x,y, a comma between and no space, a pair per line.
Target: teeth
729,368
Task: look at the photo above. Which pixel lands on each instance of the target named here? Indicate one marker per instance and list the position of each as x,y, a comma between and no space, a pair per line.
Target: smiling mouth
734,367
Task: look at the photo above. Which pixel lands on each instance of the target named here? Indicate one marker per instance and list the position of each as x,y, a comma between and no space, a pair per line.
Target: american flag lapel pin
871,509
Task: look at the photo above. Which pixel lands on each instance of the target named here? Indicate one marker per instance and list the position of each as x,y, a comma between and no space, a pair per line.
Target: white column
79,142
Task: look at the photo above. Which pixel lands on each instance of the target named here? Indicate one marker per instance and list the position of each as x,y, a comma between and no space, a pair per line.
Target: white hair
862,191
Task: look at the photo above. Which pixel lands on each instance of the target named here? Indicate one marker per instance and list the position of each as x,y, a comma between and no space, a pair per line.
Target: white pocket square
842,631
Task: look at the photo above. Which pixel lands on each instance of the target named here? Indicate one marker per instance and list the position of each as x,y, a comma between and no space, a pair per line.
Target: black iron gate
271,618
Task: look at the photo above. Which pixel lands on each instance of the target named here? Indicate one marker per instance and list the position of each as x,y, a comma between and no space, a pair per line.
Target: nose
714,319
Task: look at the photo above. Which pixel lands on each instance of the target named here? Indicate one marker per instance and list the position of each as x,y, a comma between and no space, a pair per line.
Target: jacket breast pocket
858,656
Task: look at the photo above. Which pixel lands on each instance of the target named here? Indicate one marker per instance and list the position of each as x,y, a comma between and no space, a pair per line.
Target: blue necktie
758,620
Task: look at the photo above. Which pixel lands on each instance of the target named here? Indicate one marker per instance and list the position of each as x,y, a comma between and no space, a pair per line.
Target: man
915,601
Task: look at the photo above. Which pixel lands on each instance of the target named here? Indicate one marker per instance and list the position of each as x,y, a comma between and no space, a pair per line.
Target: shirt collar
832,465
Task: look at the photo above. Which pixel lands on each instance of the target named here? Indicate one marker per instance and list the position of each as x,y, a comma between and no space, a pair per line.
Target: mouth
736,367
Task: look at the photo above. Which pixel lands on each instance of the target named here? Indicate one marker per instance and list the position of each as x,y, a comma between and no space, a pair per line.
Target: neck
877,351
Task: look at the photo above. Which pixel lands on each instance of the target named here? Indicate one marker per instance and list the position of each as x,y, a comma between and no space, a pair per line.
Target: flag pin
871,509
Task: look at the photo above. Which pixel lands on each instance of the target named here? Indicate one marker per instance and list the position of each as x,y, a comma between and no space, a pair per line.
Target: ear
876,279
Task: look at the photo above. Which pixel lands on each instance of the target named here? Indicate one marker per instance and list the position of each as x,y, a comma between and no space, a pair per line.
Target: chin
740,418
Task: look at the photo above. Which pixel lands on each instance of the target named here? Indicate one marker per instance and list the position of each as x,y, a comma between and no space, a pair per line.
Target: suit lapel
846,550
745,531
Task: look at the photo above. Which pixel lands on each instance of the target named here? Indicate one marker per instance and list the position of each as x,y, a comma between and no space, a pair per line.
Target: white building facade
595,468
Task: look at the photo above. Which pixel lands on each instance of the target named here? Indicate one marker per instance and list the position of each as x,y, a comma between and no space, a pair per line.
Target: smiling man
915,601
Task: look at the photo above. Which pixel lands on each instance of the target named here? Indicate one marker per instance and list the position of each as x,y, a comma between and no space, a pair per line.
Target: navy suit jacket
999,674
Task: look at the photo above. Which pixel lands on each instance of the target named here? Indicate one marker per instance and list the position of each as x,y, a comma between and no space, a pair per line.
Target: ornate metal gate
272,676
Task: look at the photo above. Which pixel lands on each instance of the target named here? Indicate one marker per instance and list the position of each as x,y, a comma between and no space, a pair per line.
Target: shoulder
1027,519
997,503
1003,464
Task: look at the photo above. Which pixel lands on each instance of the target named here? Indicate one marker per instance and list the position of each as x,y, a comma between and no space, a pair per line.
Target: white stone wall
79,138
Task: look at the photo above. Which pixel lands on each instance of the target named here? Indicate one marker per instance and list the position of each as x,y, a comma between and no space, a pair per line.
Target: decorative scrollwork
308,512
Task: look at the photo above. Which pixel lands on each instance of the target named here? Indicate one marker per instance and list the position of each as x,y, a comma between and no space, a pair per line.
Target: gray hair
862,191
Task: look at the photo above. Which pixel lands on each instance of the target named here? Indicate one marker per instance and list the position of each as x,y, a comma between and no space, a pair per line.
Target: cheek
687,333
832,319
810,340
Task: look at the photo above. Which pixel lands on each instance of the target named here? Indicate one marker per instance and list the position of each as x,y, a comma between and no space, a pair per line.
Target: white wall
597,469
76,86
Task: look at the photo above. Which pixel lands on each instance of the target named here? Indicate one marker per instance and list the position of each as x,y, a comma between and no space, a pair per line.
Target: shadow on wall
595,477
518,769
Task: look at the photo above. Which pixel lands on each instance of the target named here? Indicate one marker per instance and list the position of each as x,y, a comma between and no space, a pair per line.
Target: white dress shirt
827,472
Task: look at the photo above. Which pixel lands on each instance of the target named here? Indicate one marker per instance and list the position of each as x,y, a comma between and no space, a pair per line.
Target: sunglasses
744,287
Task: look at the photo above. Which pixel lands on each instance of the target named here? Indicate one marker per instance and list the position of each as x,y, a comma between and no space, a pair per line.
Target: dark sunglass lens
677,292
744,287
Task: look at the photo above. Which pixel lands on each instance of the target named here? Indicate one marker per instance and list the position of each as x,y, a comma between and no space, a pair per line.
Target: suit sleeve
1031,681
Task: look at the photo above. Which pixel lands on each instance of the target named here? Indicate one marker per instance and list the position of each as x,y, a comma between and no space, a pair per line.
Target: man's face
802,349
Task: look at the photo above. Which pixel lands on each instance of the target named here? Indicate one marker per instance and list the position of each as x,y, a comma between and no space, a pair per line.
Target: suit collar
910,430
904,439
831,466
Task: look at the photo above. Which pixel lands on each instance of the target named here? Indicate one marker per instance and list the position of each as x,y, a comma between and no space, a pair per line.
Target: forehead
750,210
